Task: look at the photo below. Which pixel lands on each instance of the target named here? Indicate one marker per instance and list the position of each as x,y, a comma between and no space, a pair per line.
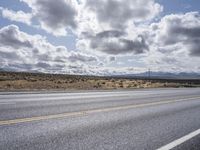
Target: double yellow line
87,112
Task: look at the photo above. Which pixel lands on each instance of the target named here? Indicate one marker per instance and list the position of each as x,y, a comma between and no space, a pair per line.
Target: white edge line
7,103
180,141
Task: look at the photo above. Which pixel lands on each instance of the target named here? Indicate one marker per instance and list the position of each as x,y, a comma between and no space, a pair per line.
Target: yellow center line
92,111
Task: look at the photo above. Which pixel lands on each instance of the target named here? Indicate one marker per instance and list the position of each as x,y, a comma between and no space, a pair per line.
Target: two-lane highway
135,119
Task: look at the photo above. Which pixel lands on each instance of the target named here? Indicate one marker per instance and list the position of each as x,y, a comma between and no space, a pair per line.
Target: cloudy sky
100,37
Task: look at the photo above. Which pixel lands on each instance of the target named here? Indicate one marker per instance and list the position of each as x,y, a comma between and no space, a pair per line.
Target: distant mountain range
164,75
153,75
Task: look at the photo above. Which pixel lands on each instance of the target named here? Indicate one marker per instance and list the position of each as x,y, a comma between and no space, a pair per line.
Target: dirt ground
37,81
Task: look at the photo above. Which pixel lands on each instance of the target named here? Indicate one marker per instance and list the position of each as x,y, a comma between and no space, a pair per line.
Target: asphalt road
145,119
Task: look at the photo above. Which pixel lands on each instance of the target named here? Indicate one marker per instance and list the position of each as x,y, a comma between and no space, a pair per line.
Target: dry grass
31,81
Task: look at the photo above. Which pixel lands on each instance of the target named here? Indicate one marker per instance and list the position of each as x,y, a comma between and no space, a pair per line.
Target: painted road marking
25,98
92,111
7,103
180,141
65,98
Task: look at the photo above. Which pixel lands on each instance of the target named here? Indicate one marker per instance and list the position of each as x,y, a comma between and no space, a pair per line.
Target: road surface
145,119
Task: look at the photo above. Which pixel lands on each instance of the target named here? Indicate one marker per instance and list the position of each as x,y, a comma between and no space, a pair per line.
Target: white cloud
20,51
87,16
174,43
55,16
24,52
18,16
179,29
117,13
108,26
105,29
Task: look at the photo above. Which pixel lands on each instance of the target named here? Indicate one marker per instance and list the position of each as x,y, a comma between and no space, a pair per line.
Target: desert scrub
103,83
59,82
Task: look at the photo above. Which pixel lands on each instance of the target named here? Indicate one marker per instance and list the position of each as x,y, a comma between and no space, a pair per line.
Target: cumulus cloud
108,26
105,29
111,59
18,16
74,57
113,45
118,12
24,52
11,37
60,16
97,16
40,56
56,17
174,43
179,32
114,42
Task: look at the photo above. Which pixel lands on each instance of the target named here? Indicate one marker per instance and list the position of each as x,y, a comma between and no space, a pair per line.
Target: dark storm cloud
192,32
194,47
112,42
110,33
178,33
137,46
54,16
191,38
56,13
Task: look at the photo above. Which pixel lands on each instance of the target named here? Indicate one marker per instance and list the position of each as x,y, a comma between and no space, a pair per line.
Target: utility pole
149,74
